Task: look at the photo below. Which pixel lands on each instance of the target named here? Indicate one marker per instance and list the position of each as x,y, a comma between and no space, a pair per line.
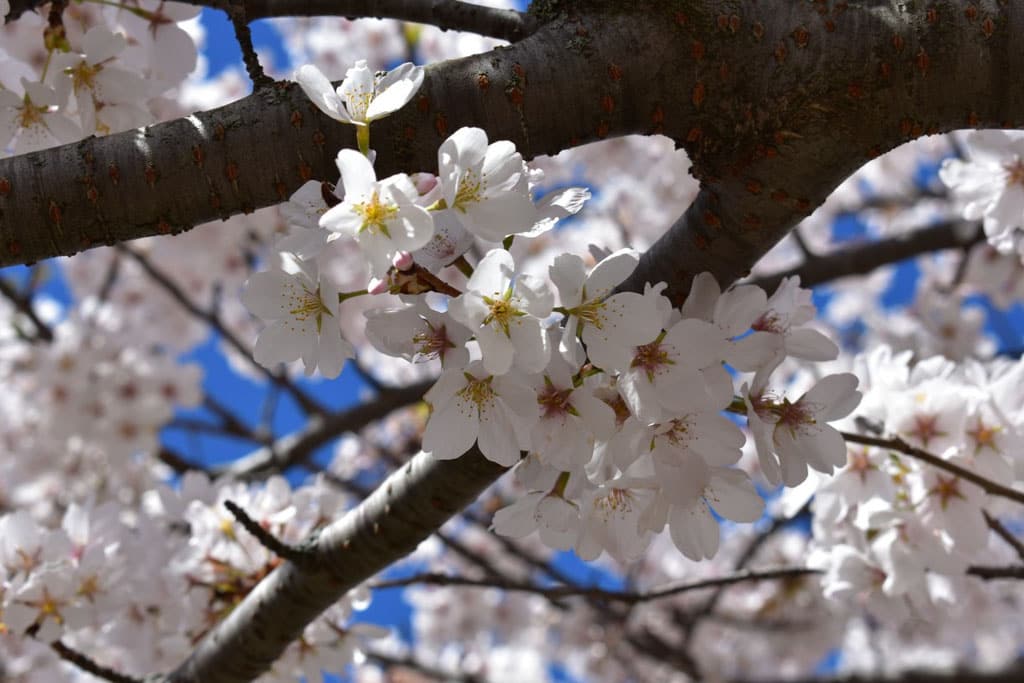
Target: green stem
559,488
463,265
363,140
342,296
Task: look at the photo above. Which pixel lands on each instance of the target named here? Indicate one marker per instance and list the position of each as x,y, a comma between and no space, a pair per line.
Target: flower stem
342,296
363,140
463,265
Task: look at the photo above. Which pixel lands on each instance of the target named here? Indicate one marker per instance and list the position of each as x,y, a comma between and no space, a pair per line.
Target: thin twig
421,668
295,554
593,591
236,11
89,666
24,305
900,446
1005,534
308,403
864,257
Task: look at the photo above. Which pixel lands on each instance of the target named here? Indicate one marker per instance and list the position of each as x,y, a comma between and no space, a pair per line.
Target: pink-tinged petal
810,344
568,275
463,149
320,91
610,272
264,294
693,530
277,344
719,386
173,54
836,394
704,293
395,91
597,415
682,390
532,351
497,437
357,175
451,430
446,386
733,496
493,274
755,351
496,349
333,351
698,343
738,308
519,519
101,44
536,295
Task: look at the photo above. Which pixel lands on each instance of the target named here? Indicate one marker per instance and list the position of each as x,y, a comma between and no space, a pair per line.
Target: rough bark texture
776,101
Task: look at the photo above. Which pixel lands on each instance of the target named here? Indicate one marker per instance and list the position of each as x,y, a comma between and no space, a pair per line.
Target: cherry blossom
472,405
486,185
380,216
302,308
505,310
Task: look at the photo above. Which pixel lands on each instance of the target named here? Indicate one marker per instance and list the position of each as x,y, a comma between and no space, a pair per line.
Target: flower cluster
897,535
96,80
616,400
139,587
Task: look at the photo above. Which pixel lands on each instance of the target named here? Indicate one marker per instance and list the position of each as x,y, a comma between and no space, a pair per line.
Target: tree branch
305,401
864,257
295,448
24,305
445,14
592,592
900,446
89,666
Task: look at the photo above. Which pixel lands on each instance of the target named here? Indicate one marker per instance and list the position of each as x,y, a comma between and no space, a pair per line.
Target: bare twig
865,257
291,553
238,14
1005,534
89,666
24,305
900,446
306,402
594,592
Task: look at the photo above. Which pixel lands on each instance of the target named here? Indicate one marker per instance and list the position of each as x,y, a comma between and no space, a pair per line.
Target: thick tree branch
775,108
